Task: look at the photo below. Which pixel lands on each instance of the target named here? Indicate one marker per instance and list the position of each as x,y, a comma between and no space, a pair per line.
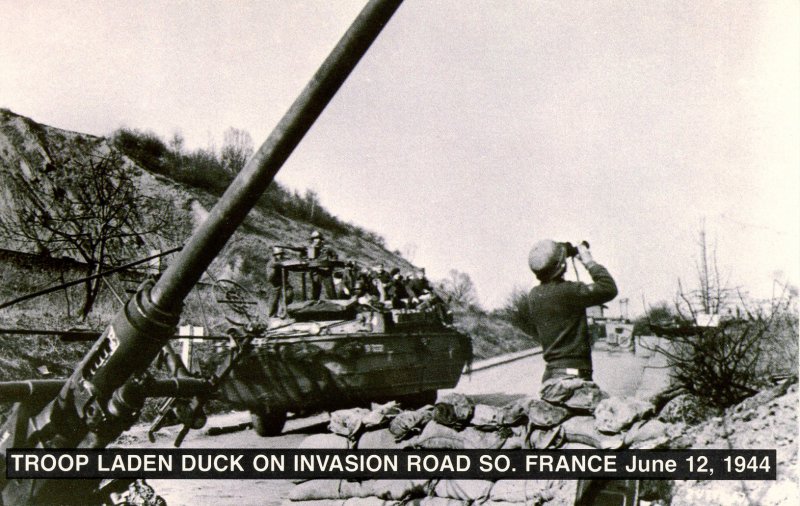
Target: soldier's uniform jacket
558,312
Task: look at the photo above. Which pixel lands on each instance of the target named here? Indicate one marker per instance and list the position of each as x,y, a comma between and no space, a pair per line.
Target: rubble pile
569,413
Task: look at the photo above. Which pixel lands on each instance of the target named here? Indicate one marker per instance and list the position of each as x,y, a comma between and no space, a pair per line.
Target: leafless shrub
724,365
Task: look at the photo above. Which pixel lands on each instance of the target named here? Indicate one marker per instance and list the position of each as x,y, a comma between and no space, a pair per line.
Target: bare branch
86,204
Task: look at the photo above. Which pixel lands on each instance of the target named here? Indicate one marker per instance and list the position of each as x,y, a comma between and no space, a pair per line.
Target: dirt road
616,371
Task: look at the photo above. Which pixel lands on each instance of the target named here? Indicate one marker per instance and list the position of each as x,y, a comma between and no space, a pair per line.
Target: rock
685,408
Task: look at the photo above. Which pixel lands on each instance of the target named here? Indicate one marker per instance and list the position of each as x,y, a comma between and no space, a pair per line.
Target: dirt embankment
766,421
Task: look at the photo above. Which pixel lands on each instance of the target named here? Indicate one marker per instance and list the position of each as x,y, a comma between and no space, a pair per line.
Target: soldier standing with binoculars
558,307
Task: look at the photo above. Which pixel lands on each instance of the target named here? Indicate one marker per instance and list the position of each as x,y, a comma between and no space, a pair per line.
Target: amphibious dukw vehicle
343,352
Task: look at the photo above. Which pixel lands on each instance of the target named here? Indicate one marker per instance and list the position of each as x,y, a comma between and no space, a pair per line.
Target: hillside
26,147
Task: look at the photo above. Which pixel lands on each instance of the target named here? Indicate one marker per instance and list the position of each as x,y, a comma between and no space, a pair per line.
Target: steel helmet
316,235
547,259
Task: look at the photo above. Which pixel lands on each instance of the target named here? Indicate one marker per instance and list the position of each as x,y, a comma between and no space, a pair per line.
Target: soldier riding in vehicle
346,338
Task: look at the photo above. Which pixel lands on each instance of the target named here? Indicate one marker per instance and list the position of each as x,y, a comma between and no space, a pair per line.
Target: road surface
618,372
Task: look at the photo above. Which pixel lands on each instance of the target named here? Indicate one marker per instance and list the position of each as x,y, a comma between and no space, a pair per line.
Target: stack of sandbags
570,413
383,427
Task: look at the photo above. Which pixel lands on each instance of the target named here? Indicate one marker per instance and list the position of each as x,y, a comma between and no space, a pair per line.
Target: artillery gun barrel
92,409
132,341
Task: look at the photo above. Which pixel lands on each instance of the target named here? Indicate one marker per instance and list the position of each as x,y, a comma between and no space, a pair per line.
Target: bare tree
237,148
725,364
84,202
459,289
517,311
712,294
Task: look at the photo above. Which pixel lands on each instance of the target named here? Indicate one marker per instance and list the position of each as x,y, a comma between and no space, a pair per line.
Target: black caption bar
390,464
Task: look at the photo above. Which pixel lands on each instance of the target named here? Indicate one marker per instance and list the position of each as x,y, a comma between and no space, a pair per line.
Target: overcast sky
471,129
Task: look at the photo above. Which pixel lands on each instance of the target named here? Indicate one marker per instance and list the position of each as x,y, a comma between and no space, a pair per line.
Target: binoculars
572,251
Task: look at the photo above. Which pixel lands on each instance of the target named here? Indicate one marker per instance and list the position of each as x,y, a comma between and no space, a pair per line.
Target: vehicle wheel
419,399
268,424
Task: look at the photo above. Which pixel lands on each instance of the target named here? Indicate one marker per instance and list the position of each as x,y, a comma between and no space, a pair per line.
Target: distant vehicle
338,353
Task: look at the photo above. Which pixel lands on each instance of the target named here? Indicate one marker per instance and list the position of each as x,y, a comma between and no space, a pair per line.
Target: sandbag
485,440
586,397
546,439
464,490
486,417
435,501
325,441
381,414
558,390
543,415
453,410
368,501
574,393
382,439
348,422
561,492
514,413
396,490
647,435
615,414
519,491
581,429
344,489
517,440
318,489
316,502
438,436
409,423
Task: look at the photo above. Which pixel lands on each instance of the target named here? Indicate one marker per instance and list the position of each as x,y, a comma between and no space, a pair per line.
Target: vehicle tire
417,400
268,424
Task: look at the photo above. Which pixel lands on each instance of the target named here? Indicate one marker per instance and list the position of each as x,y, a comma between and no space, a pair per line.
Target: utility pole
704,279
